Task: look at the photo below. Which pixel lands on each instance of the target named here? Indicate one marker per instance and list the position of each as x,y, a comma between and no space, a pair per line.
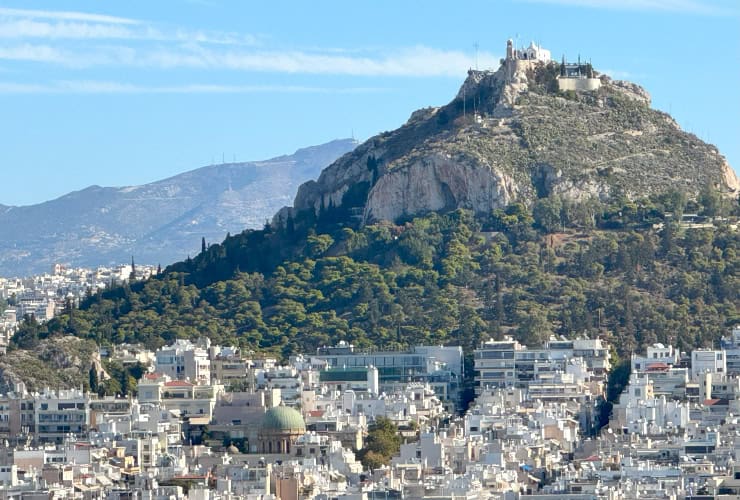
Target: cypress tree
93,375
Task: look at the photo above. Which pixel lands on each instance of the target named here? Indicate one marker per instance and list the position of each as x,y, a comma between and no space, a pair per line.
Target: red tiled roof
717,402
316,413
177,383
657,367
152,376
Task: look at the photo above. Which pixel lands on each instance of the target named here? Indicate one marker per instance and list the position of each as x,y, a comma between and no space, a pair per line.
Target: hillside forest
629,272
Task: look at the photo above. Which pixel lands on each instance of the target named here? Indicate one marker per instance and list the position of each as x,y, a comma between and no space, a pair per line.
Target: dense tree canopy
626,272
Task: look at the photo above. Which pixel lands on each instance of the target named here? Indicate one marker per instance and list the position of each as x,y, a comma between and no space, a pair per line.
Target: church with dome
280,427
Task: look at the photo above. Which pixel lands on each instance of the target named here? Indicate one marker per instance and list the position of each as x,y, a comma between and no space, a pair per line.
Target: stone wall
586,84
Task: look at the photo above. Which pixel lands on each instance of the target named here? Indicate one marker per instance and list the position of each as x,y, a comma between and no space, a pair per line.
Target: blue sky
123,93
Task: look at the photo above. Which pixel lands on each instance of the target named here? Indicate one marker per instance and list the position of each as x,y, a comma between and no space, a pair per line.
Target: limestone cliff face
509,135
438,182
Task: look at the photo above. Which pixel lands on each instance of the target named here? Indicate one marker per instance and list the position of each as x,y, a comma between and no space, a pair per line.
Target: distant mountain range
160,222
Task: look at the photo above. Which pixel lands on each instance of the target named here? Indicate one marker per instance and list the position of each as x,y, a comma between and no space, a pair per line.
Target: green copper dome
283,418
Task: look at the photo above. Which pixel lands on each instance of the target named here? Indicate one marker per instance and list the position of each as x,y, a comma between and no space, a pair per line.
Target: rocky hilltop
163,221
59,362
513,135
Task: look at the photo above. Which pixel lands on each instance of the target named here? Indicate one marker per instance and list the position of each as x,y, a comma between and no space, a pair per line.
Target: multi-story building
187,398
59,414
17,416
227,369
358,379
507,363
439,365
495,364
708,361
655,355
286,378
184,360
731,345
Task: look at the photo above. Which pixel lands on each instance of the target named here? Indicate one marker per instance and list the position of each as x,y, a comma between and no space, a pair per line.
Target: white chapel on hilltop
534,52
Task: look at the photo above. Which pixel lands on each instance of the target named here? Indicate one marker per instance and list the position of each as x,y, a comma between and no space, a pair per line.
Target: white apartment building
655,354
507,363
187,398
708,361
184,360
59,414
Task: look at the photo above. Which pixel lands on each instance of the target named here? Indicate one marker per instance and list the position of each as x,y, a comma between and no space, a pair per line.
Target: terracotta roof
716,402
152,376
178,383
316,413
657,367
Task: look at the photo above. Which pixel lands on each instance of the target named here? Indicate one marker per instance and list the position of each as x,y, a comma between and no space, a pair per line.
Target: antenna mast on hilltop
476,55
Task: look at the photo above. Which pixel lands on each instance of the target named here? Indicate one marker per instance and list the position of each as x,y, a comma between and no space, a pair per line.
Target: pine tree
132,276
203,245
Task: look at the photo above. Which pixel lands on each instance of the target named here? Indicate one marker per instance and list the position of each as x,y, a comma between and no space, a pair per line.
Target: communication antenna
476,55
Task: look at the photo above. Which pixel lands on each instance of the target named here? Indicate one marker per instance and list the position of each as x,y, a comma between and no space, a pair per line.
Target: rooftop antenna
476,55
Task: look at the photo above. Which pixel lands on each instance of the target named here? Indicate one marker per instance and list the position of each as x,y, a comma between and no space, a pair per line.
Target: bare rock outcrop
438,182
54,362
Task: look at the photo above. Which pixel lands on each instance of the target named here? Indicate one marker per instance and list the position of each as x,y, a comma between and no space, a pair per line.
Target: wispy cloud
23,23
109,87
36,53
48,37
414,61
31,28
680,6
59,15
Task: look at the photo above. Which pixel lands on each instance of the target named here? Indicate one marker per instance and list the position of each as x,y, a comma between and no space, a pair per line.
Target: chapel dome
283,418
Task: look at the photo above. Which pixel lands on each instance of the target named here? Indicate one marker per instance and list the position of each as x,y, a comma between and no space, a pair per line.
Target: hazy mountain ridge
163,221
